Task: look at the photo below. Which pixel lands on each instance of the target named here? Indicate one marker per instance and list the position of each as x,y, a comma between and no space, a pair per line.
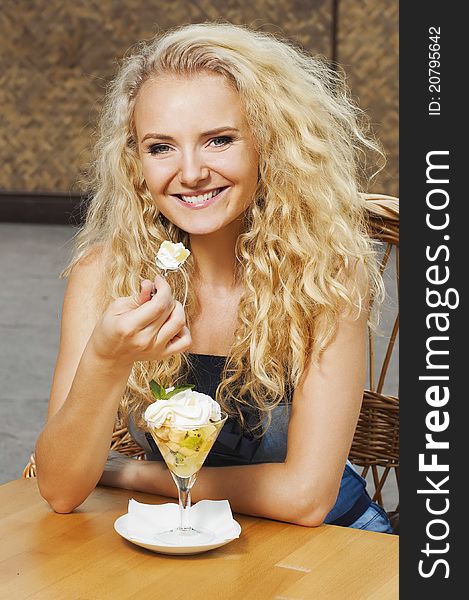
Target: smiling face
198,155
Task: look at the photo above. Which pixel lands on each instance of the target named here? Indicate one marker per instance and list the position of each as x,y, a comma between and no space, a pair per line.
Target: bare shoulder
90,267
80,313
84,287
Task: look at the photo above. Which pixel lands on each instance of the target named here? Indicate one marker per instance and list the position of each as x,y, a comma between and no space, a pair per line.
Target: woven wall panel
56,58
367,47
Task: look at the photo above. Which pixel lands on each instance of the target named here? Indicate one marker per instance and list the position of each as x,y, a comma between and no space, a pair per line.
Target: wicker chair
375,446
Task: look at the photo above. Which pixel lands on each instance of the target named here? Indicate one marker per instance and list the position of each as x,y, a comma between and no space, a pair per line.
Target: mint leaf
179,388
157,390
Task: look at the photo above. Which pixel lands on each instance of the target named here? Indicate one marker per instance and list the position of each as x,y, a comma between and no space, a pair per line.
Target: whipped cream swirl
171,256
185,410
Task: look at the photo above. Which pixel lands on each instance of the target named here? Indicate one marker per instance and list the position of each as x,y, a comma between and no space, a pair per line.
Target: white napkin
213,515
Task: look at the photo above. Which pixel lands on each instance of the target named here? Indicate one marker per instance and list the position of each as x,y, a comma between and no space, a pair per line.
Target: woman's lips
205,203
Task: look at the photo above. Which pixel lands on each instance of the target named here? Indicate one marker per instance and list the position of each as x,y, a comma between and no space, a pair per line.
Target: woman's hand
144,328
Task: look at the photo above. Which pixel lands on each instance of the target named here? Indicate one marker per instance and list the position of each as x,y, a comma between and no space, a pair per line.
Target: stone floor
31,258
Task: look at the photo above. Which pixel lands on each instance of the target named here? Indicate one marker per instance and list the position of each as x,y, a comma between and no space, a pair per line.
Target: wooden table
80,556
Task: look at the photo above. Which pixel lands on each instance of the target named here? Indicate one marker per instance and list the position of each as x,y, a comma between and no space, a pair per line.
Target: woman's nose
192,170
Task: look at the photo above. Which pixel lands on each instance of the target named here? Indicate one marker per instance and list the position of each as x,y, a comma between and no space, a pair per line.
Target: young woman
245,149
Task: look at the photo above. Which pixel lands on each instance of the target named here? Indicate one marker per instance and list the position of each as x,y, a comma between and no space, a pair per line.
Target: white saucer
120,525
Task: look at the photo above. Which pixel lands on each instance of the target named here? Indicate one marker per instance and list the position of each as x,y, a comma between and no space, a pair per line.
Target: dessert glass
184,451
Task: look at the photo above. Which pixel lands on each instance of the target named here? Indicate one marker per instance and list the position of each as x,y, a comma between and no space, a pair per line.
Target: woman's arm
94,362
304,488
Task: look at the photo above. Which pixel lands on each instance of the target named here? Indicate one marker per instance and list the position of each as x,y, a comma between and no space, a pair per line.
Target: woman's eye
222,140
158,148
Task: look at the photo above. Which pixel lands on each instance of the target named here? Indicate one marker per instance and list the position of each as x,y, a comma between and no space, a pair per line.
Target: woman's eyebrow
163,136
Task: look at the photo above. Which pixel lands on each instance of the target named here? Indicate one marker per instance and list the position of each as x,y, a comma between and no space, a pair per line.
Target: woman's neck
215,260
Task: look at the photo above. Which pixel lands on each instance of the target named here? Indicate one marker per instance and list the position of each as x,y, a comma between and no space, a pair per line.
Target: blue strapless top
236,446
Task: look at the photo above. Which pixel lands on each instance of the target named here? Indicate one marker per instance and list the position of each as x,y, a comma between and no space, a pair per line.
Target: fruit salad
184,426
185,451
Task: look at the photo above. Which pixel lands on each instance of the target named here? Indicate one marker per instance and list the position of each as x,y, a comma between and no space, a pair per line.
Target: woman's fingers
145,327
172,326
180,342
146,289
126,304
173,336
154,311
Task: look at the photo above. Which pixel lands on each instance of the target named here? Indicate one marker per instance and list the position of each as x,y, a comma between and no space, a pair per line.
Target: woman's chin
200,231
206,227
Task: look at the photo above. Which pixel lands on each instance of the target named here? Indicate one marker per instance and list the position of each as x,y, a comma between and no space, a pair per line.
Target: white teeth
199,199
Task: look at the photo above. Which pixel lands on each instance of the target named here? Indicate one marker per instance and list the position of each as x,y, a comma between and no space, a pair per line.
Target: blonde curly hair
304,238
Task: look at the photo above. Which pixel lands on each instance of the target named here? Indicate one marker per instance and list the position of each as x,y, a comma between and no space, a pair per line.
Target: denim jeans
374,518
353,489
